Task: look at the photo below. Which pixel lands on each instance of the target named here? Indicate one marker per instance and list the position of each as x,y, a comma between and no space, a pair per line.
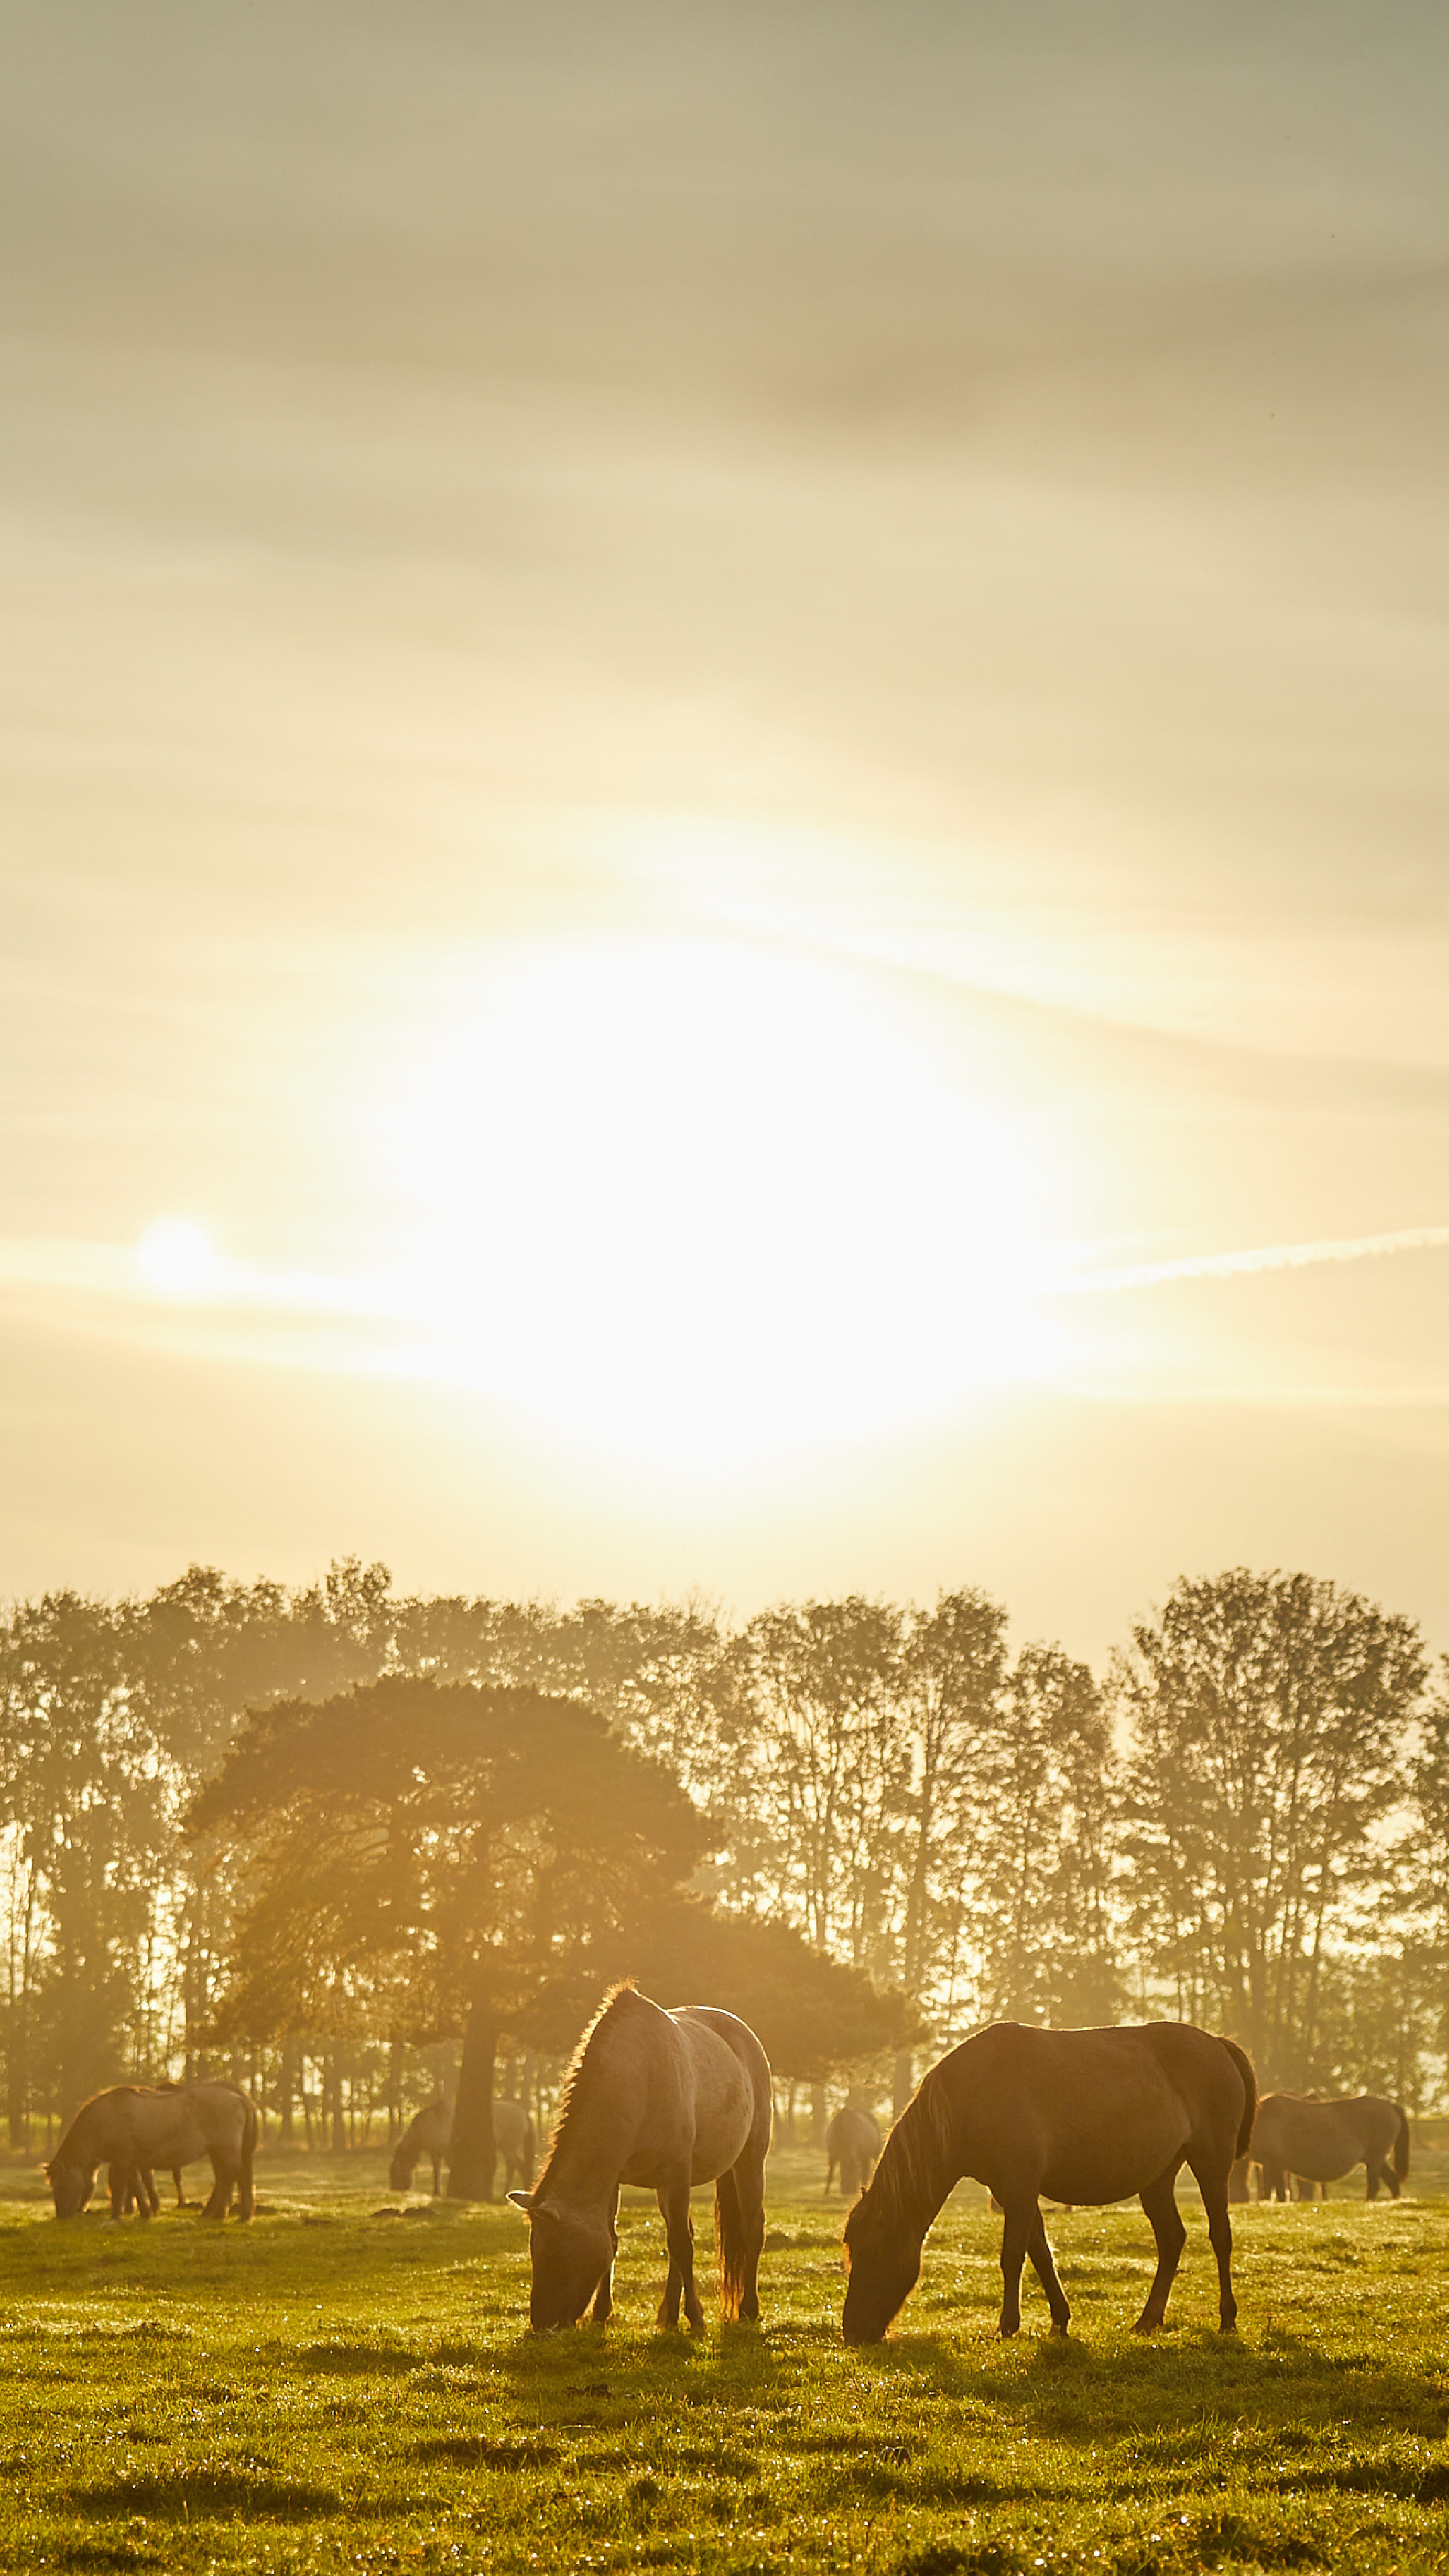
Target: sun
693,1200
176,1257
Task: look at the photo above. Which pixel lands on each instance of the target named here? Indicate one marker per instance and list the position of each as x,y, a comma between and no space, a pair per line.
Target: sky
724,797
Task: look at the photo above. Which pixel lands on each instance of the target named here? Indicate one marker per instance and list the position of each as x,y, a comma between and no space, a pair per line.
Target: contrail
1269,1256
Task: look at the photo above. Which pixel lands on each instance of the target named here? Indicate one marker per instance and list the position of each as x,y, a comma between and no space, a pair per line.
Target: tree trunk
471,2157
286,2089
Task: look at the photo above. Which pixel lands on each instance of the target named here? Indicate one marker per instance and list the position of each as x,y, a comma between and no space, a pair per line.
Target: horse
852,2143
1086,2116
1321,2141
429,2134
134,2127
663,2100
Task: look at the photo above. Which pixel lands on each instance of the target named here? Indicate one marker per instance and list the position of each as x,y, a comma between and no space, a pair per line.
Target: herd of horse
670,2100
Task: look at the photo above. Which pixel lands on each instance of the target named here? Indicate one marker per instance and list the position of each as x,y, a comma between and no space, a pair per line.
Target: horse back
1319,2140
1090,2116
730,2077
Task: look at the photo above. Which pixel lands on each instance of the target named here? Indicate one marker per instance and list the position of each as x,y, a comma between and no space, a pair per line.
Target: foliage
1268,1714
421,1844
1250,1824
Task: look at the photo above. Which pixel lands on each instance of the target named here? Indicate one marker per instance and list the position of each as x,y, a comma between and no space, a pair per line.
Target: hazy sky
722,734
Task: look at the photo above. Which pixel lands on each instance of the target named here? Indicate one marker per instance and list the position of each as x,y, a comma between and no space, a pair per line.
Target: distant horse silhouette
852,2143
1321,2141
135,2127
429,2135
1086,2116
663,2100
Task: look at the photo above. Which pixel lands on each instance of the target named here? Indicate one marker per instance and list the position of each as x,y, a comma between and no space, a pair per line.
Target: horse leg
1159,2199
1022,2217
749,2180
679,2235
437,2173
1214,2188
1391,2178
603,2307
1046,2272
220,2201
118,2183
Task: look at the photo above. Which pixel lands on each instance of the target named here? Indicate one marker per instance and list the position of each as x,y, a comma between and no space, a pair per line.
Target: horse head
71,2187
884,2259
570,2251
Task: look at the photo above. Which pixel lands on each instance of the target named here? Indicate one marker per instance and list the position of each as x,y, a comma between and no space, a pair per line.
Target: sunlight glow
693,1202
177,1258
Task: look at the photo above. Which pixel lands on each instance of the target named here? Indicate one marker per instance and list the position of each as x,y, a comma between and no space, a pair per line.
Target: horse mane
619,2004
915,2171
81,2122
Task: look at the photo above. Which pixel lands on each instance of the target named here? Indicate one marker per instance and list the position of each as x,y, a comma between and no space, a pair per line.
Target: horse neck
75,2145
918,2168
590,2146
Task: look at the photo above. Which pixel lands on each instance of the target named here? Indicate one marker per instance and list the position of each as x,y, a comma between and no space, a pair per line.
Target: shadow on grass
197,2493
475,2451
340,2357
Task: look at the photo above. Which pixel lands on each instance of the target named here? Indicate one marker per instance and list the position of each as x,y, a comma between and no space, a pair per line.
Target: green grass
333,2389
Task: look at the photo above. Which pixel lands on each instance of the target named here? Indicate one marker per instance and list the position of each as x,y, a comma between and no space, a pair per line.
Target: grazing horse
1086,2116
1320,2141
429,2134
134,2127
852,2143
662,2100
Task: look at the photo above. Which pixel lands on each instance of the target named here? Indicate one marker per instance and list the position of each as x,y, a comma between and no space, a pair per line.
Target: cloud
1235,1265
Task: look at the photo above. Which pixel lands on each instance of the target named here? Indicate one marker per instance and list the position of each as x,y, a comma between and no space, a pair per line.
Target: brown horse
430,2133
852,2144
134,2127
1321,2141
663,2100
1086,2116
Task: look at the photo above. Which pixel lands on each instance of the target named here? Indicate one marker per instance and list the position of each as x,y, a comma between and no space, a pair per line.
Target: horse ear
522,2200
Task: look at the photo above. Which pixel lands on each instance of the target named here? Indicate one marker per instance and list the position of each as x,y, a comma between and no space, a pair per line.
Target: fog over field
721,733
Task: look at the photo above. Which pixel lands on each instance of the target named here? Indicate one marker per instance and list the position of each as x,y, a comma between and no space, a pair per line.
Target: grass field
335,2389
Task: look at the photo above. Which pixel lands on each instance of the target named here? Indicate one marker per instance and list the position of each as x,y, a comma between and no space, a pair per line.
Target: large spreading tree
440,1858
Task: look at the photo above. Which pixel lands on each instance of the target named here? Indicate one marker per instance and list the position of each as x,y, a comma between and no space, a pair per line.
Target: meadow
336,2388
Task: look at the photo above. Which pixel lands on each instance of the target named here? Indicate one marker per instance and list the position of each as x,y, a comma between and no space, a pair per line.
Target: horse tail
1244,2065
731,2243
246,2197
1401,2143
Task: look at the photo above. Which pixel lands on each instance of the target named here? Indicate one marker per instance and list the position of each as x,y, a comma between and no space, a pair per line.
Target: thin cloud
1236,1265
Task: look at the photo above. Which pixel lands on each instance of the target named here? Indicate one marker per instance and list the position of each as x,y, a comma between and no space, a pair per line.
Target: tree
1047,1787
1266,1714
954,1671
433,1858
88,1831
831,1769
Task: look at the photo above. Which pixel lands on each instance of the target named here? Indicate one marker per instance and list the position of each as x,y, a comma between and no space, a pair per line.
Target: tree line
311,1833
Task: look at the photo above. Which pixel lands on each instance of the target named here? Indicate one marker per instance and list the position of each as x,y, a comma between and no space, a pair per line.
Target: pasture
334,2389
